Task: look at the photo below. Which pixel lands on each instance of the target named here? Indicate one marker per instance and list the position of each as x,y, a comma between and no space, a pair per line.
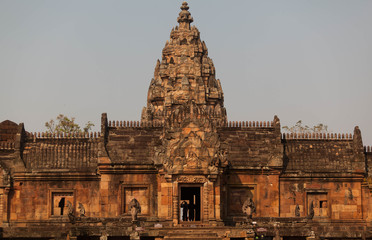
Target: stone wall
262,187
368,158
48,153
320,156
33,200
133,144
253,146
8,131
116,191
340,199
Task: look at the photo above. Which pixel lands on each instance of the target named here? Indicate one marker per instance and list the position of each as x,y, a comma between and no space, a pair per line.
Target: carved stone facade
234,180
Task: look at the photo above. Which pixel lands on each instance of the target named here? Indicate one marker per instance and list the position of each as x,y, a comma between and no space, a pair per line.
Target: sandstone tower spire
185,18
184,80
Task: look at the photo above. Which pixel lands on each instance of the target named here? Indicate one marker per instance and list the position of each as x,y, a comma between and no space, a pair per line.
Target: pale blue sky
309,60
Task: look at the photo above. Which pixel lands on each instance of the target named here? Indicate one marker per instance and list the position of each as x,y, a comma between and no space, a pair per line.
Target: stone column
205,202
175,208
212,198
1,207
217,198
5,206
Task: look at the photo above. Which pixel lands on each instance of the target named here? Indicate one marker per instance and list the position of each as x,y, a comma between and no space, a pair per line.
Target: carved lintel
191,179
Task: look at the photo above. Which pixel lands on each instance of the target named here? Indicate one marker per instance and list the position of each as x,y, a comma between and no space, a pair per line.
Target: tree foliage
299,127
65,124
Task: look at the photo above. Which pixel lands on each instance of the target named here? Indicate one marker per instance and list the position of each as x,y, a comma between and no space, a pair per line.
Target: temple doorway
190,204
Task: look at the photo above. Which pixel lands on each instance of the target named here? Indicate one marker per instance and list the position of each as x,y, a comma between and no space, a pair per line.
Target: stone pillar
1,208
5,206
217,198
205,202
175,203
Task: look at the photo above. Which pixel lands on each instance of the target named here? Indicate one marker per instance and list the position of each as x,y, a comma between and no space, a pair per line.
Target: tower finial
184,6
184,18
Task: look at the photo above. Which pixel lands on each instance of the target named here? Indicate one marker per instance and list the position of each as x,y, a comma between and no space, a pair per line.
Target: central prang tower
184,80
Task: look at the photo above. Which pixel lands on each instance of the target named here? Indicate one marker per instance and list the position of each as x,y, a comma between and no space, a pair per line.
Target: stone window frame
50,200
122,197
255,197
318,191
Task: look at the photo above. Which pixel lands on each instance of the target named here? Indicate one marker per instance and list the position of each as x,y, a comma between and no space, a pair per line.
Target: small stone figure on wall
135,208
249,208
81,209
70,214
311,210
297,211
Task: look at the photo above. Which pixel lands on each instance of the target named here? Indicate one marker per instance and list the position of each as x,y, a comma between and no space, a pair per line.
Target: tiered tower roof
185,77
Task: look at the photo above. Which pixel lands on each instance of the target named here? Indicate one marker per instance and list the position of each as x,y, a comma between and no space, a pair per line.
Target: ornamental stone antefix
187,99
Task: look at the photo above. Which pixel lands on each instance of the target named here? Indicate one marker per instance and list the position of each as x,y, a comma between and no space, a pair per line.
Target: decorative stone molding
191,179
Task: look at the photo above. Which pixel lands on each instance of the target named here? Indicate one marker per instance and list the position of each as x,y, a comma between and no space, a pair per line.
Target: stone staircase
194,234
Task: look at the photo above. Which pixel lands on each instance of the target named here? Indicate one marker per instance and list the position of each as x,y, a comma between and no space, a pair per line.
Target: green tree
299,127
66,125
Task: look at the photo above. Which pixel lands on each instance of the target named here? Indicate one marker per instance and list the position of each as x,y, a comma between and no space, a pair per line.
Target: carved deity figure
249,207
71,215
297,211
311,211
135,208
81,209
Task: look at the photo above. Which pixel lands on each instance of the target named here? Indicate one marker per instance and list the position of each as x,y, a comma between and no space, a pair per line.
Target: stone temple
184,171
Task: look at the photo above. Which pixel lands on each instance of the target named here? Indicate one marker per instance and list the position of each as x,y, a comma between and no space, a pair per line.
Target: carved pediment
194,146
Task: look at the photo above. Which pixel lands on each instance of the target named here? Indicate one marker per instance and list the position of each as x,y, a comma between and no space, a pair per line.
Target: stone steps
192,238
192,235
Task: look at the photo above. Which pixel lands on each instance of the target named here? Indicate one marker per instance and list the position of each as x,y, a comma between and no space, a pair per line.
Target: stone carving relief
185,96
191,179
135,209
4,177
81,209
297,211
70,213
311,211
185,73
249,208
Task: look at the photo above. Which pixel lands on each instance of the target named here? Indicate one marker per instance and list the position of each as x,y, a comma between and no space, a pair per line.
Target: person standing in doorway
184,207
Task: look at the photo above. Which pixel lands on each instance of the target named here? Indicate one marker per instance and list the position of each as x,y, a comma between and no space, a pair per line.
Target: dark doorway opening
191,210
